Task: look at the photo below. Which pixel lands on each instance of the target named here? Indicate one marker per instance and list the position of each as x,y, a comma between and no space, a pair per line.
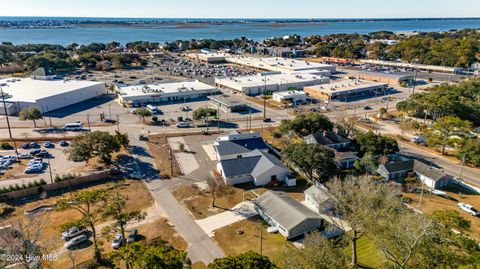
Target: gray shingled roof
399,166
317,194
326,138
240,146
254,163
285,210
431,172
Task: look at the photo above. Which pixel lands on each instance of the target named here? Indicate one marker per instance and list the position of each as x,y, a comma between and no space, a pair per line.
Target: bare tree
357,200
217,188
347,122
20,240
72,255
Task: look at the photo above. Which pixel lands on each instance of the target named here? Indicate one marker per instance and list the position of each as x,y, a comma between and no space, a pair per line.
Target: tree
347,122
115,208
471,151
247,260
367,164
90,204
382,111
155,256
446,131
89,145
317,252
217,188
317,162
122,139
30,113
306,124
375,144
21,239
203,113
143,113
356,201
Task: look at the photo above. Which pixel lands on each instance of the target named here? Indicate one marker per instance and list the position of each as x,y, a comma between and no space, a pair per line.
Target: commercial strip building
228,103
420,67
292,97
346,89
395,79
165,92
46,93
278,64
257,84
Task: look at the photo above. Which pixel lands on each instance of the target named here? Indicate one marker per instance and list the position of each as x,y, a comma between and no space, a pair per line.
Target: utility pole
110,111
261,239
265,99
463,165
171,161
118,123
8,123
50,170
88,123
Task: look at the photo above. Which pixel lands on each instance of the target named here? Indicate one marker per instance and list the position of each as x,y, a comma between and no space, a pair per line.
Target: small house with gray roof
318,199
290,217
339,143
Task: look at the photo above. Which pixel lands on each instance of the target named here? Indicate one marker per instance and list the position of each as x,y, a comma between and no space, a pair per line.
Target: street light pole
463,165
8,122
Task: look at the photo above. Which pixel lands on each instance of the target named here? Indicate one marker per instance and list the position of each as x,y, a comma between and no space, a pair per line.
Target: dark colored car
267,120
25,146
43,154
143,138
35,152
132,236
63,143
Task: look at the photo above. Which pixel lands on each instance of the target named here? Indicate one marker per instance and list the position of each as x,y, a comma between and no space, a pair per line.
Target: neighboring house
245,157
289,216
257,166
339,143
319,200
396,170
432,177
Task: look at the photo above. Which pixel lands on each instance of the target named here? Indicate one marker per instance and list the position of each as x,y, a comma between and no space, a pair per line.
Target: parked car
419,140
35,152
469,209
25,146
36,168
185,108
184,125
33,145
43,154
367,108
132,236
24,156
48,144
73,232
63,143
143,137
75,241
267,120
117,241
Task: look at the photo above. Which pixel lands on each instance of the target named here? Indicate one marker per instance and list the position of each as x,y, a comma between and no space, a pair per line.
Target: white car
117,241
184,125
75,241
469,209
25,156
73,232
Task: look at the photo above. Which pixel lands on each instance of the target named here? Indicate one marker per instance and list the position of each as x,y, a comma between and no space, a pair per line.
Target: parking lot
19,172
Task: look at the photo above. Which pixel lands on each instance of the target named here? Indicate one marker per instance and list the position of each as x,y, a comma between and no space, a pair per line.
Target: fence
66,184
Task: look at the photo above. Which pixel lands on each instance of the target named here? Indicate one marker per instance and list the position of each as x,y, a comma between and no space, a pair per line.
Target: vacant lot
431,203
139,198
164,161
243,236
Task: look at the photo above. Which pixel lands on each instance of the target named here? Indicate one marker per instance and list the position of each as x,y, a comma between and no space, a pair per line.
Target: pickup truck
73,232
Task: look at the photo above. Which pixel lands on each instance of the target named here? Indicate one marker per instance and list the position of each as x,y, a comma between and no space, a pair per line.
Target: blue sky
243,8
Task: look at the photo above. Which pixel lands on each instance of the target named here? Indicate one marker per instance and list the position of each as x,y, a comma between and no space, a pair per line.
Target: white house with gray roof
245,157
318,200
291,218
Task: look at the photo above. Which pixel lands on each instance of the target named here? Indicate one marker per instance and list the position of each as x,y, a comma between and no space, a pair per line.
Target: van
152,109
74,127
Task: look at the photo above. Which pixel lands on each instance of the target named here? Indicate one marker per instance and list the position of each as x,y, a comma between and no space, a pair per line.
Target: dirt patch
163,157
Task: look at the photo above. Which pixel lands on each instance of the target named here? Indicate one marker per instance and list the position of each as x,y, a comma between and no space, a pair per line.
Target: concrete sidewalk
240,212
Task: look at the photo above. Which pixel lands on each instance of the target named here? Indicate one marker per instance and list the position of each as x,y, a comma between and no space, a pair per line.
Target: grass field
368,255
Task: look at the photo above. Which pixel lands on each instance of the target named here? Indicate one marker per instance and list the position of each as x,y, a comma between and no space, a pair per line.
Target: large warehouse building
283,65
257,84
396,79
165,92
213,58
421,67
346,89
47,95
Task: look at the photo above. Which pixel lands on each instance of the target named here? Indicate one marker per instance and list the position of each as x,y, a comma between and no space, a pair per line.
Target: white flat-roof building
421,67
208,57
283,65
165,92
257,84
47,95
290,97
346,89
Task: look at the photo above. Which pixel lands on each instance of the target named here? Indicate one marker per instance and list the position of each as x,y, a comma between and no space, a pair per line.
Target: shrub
5,146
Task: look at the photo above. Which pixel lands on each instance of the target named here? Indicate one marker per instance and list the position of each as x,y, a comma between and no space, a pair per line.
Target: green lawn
368,255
